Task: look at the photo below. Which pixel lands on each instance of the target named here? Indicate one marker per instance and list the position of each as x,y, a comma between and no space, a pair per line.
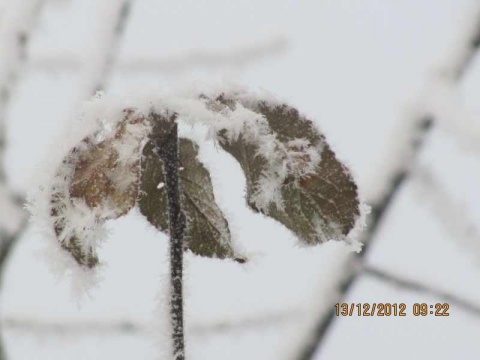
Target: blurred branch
451,299
452,215
14,36
399,161
13,221
127,326
452,116
15,31
233,57
105,47
122,326
18,20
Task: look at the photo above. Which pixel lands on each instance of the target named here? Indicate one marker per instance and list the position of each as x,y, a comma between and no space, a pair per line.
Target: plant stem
168,152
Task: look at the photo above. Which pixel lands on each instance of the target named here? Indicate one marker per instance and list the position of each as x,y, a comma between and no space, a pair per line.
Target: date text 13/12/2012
391,309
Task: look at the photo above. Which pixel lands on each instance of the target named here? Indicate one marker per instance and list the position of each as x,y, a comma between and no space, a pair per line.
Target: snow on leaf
207,233
97,181
292,174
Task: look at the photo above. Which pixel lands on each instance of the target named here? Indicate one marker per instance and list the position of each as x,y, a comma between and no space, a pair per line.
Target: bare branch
15,29
15,33
397,169
14,36
233,58
17,23
105,48
451,214
128,326
413,285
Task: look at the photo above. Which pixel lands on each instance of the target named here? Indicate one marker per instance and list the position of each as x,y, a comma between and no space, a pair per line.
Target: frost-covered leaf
97,181
207,232
292,173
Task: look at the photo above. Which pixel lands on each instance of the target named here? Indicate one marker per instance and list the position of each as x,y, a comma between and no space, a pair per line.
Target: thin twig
14,39
207,59
416,286
20,34
451,214
109,48
127,326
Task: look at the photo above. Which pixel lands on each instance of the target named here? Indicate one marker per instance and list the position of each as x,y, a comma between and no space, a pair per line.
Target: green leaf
207,233
306,187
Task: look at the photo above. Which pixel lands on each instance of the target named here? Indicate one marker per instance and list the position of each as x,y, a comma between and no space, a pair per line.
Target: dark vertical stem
168,152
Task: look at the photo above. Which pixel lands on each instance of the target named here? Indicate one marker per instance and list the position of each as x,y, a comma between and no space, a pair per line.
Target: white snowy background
362,69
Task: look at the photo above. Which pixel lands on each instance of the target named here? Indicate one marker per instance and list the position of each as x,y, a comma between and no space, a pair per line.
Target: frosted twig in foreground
398,165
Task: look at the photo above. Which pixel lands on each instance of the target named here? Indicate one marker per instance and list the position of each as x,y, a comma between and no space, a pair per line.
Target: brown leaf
319,199
207,232
103,178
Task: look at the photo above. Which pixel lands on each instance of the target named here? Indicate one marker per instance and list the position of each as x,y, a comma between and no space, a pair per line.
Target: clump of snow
60,263
296,158
352,240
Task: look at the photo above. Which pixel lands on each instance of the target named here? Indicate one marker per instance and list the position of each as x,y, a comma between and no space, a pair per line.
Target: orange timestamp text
391,309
